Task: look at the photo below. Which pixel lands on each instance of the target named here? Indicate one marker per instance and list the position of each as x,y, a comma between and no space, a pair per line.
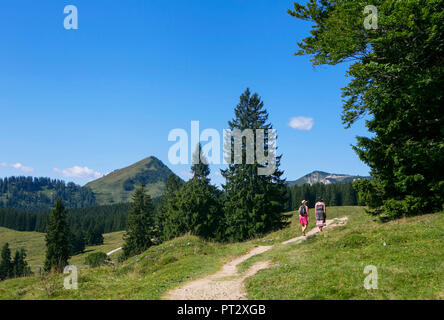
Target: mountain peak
324,177
119,185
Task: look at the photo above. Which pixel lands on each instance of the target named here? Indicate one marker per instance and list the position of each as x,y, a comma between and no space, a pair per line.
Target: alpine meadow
328,183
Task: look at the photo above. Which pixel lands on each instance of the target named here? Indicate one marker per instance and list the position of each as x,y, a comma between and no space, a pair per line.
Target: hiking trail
227,283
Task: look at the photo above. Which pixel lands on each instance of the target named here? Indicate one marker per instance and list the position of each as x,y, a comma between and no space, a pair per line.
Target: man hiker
303,216
321,213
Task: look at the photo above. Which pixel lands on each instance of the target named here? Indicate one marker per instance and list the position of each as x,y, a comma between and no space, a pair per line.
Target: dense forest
37,194
108,218
337,194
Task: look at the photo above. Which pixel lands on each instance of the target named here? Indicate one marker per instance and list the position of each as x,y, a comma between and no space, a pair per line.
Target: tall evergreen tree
57,239
196,207
397,79
168,203
94,236
200,167
6,266
140,233
254,202
20,266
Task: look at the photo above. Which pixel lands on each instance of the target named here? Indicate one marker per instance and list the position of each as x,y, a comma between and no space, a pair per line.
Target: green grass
34,243
147,276
410,265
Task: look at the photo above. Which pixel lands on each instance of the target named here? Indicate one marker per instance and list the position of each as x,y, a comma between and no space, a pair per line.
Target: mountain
325,178
119,185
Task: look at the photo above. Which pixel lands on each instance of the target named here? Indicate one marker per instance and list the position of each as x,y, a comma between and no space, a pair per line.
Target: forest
335,194
35,194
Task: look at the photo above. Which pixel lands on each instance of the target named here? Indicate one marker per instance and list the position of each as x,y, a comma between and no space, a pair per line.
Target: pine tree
196,207
140,233
94,236
57,235
77,242
168,203
6,270
20,266
254,202
200,167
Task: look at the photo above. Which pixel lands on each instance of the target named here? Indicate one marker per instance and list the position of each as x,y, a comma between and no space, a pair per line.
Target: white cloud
79,172
17,166
301,123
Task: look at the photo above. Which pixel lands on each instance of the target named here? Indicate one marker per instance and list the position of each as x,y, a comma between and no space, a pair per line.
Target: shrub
96,259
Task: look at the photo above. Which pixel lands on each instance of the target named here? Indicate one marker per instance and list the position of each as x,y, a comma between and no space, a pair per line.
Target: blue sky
78,103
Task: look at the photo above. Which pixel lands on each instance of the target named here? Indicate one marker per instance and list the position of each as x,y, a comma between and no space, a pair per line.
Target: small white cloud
301,123
17,166
79,172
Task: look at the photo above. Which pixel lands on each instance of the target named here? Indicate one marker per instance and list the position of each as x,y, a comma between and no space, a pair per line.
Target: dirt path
227,283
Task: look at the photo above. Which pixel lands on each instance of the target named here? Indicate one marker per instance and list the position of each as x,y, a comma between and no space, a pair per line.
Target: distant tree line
108,218
337,194
30,193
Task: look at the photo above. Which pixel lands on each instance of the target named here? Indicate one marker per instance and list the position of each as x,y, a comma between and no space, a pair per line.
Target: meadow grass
408,255
409,264
34,244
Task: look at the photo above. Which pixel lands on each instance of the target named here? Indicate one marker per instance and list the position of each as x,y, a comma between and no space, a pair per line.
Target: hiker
303,216
321,214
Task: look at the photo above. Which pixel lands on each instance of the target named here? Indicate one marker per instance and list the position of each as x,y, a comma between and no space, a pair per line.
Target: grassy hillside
34,243
410,264
408,254
119,185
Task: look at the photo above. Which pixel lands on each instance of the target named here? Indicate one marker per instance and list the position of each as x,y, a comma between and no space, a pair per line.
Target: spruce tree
140,233
20,266
254,202
200,167
57,239
197,207
168,203
6,267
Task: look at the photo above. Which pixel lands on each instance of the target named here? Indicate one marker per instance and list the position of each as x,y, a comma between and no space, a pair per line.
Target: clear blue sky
106,95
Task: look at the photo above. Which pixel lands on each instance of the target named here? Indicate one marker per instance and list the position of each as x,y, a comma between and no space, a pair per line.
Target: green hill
407,252
119,185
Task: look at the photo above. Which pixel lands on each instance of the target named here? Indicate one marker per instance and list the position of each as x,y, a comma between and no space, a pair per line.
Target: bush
96,259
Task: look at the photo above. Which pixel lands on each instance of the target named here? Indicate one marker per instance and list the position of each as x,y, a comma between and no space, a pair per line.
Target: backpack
302,210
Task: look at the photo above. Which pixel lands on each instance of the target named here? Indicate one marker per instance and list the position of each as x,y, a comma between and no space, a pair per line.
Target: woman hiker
321,213
303,216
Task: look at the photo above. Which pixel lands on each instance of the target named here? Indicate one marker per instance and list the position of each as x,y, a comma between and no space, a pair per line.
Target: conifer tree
168,203
5,262
254,202
200,167
197,207
57,239
20,266
140,233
